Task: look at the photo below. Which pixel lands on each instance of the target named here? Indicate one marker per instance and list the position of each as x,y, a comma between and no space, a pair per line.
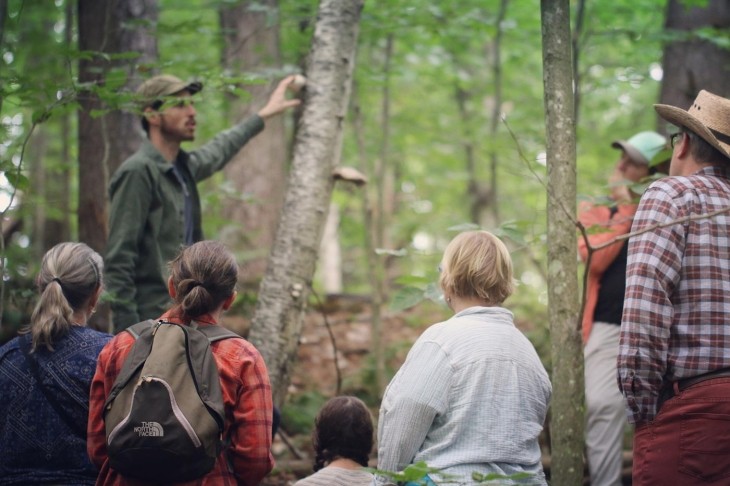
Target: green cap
164,85
642,147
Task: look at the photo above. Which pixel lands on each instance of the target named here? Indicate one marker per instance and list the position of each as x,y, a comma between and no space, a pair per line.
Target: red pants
688,442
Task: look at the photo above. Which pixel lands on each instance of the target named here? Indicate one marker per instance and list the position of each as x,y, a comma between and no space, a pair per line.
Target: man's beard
178,135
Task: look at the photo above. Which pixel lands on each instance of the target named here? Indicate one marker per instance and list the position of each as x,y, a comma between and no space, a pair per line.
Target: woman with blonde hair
472,394
45,375
202,285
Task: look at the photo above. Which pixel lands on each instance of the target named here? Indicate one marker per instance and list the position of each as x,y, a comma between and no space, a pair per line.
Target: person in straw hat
155,207
642,155
674,352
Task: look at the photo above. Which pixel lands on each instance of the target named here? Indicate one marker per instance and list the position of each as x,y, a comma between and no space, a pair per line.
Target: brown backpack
164,415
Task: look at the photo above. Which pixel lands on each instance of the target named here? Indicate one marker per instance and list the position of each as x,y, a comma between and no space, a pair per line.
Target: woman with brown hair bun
342,440
202,284
45,375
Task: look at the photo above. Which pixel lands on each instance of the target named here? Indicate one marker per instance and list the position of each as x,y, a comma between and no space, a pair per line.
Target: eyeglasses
673,138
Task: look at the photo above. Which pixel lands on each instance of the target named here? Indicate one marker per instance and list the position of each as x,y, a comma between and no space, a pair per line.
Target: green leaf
433,292
96,113
511,230
115,79
406,298
661,157
18,180
417,471
40,116
484,478
414,473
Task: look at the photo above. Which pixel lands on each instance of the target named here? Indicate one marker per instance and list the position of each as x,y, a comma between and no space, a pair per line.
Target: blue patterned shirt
36,445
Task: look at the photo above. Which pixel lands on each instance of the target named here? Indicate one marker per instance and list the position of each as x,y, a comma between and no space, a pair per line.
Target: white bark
276,326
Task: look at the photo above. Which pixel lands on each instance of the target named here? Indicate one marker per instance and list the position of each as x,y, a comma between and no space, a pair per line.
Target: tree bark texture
566,424
108,27
276,327
251,45
692,63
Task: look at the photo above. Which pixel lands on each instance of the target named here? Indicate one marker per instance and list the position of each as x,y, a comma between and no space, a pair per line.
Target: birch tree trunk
277,323
567,417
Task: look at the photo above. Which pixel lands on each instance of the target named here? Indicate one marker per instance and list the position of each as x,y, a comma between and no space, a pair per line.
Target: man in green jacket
155,206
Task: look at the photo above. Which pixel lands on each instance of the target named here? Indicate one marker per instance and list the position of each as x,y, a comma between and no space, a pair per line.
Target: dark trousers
688,442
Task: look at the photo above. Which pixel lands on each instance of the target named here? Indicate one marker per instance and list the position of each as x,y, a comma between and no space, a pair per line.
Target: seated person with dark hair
342,440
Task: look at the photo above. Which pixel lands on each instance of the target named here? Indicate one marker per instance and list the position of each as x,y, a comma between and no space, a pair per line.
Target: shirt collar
150,151
715,171
493,311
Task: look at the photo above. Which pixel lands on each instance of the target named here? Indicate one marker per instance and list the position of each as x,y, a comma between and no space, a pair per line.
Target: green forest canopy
439,49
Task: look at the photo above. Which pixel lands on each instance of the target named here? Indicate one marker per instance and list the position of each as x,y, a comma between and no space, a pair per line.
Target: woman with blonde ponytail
46,372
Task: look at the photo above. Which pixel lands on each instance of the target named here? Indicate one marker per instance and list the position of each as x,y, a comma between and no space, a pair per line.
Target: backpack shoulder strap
143,335
137,329
217,333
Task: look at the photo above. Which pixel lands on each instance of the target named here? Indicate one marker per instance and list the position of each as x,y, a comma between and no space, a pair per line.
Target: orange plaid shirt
246,389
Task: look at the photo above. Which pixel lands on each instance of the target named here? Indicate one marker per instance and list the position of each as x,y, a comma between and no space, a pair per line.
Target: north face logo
149,429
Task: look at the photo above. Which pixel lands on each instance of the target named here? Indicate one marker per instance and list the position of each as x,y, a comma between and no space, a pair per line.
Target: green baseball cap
163,85
643,146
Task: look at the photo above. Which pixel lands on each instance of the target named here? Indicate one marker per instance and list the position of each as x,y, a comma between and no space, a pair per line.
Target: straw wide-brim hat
708,117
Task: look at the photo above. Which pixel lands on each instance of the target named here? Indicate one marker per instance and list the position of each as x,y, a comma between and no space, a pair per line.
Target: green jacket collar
149,150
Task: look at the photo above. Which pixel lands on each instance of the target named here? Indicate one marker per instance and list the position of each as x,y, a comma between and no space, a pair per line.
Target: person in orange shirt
604,302
202,284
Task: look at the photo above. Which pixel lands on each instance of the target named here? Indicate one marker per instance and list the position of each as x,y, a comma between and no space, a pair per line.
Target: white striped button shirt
471,396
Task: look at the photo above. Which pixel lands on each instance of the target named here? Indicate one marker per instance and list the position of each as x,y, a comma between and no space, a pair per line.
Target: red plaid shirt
248,406
677,301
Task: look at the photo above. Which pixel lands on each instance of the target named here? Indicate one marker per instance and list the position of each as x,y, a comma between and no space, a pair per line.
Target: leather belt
685,383
674,388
